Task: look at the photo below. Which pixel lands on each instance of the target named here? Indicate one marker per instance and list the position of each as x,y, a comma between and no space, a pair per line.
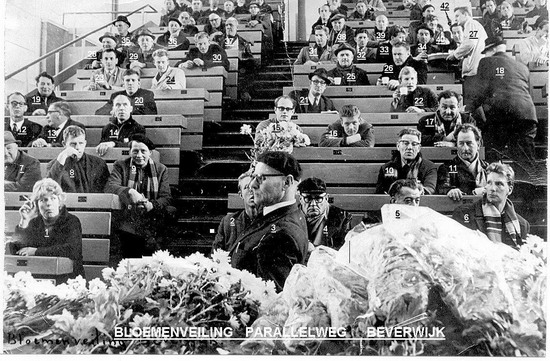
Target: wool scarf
144,179
494,219
477,171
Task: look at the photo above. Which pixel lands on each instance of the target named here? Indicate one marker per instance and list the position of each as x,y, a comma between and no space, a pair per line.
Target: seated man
279,239
340,33
284,109
23,130
214,8
187,24
324,18
215,26
424,45
124,37
363,54
142,187
264,8
204,55
143,101
401,57
174,38
108,42
345,72
235,224
109,76
402,191
361,12
380,32
349,131
318,53
494,214
509,21
312,100
327,225
141,57
427,10
59,118
241,8
396,35
411,98
407,163
228,9
415,7
441,39
262,20
465,173
122,126
43,96
171,11
439,129
230,39
21,171
490,17
336,7
197,13
167,77
73,169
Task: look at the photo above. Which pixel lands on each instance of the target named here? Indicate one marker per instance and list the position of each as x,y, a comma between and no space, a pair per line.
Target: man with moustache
21,171
278,238
23,130
59,119
235,224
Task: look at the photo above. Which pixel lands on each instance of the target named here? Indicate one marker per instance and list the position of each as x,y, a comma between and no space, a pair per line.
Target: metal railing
80,38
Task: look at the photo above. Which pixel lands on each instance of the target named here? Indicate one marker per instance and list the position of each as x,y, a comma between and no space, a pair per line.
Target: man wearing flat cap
312,100
327,225
501,87
108,41
340,33
278,238
142,56
347,73
317,53
21,171
174,38
124,36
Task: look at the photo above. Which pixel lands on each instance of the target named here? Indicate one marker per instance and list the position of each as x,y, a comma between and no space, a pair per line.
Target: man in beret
340,33
124,36
312,100
327,225
234,224
174,38
278,238
21,171
501,87
24,130
318,53
345,72
142,56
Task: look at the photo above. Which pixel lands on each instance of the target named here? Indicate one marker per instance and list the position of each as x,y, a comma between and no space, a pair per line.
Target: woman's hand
27,251
28,212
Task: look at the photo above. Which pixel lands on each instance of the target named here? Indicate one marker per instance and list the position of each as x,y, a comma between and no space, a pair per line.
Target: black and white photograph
275,178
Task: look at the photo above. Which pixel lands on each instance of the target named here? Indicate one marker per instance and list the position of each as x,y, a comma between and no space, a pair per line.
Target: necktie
14,128
316,102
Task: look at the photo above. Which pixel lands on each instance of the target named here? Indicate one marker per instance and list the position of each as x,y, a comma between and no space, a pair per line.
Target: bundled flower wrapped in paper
277,136
489,297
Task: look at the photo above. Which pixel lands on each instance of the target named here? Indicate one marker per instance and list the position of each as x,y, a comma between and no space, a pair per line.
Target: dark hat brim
124,20
107,36
325,78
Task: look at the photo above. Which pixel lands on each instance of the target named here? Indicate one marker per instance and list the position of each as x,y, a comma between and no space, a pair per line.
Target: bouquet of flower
277,136
158,291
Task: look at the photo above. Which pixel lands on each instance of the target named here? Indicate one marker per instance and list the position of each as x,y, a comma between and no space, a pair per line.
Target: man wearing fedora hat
327,225
174,38
108,41
501,87
142,56
312,100
124,36
345,72
340,33
21,171
318,53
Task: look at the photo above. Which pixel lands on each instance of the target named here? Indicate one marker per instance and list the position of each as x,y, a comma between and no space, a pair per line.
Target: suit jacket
393,170
471,216
37,101
311,53
173,77
215,56
335,136
27,132
272,245
350,76
180,43
346,35
337,225
55,137
24,171
502,88
392,70
91,178
120,133
455,174
428,124
230,228
143,103
117,80
304,105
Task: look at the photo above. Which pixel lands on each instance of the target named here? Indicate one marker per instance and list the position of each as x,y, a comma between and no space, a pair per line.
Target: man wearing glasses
408,163
24,131
327,225
284,109
59,119
278,239
312,100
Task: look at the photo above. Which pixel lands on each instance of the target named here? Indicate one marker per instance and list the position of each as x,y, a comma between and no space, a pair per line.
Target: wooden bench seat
92,201
93,223
324,119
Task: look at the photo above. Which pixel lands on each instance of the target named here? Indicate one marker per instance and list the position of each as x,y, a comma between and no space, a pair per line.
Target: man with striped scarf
142,186
494,214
